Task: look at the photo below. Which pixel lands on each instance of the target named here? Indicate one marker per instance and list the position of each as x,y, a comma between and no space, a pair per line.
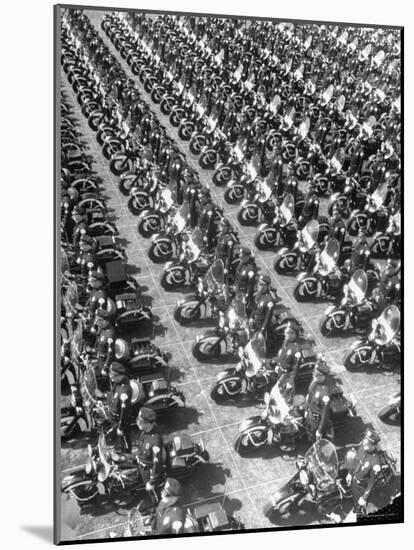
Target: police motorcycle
167,245
317,483
231,333
300,255
140,353
381,348
238,187
210,298
144,197
373,216
208,517
230,166
155,220
388,243
282,230
191,263
325,280
280,424
354,312
263,202
252,375
110,474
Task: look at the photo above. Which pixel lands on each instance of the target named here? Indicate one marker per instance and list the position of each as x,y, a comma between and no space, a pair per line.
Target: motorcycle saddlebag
339,407
211,517
126,302
155,384
182,445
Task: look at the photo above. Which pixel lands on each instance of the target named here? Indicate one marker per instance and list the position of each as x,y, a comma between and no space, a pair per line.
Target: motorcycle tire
185,131
246,220
167,105
183,320
137,207
118,166
125,185
168,285
302,294
111,149
244,449
389,414
354,360
328,328
232,197
146,229
208,160
281,265
201,355
84,494
222,176
94,120
196,144
261,244
160,258
176,117
220,395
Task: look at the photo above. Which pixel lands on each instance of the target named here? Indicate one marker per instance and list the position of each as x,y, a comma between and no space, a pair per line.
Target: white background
26,124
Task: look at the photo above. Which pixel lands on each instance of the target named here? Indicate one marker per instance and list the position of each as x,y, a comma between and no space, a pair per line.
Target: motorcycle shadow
350,432
202,485
306,516
181,419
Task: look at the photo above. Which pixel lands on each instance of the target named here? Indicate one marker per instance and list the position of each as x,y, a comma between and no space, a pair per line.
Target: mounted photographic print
228,244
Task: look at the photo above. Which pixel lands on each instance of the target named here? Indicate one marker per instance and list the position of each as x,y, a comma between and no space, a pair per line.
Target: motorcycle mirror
123,397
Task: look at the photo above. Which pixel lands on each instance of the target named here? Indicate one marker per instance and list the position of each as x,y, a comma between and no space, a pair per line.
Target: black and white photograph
229,311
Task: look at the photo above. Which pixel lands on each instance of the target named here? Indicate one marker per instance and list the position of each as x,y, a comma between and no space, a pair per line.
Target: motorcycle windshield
252,353
180,218
388,325
397,223
278,408
304,127
238,150
379,195
264,190
287,209
321,461
327,95
64,266
195,244
89,386
290,117
310,234
329,257
166,200
338,159
275,104
236,313
379,58
215,275
76,344
358,285
340,103
253,168
71,295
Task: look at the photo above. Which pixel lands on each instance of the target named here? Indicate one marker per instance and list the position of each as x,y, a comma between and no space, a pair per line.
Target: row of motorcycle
378,174
233,317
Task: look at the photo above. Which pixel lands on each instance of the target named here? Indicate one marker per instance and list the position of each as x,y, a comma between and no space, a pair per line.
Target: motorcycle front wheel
233,195
248,216
332,324
223,392
206,350
186,314
358,358
160,252
248,443
138,203
305,290
286,264
222,176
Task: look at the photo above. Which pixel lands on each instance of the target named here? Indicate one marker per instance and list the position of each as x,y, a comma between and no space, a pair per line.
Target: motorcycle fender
154,400
186,300
145,213
252,422
262,227
225,374
76,476
286,493
283,251
208,334
359,343
330,310
302,276
169,265
244,202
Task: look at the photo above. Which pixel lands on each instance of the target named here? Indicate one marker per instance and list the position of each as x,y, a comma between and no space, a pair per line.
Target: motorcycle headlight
303,477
